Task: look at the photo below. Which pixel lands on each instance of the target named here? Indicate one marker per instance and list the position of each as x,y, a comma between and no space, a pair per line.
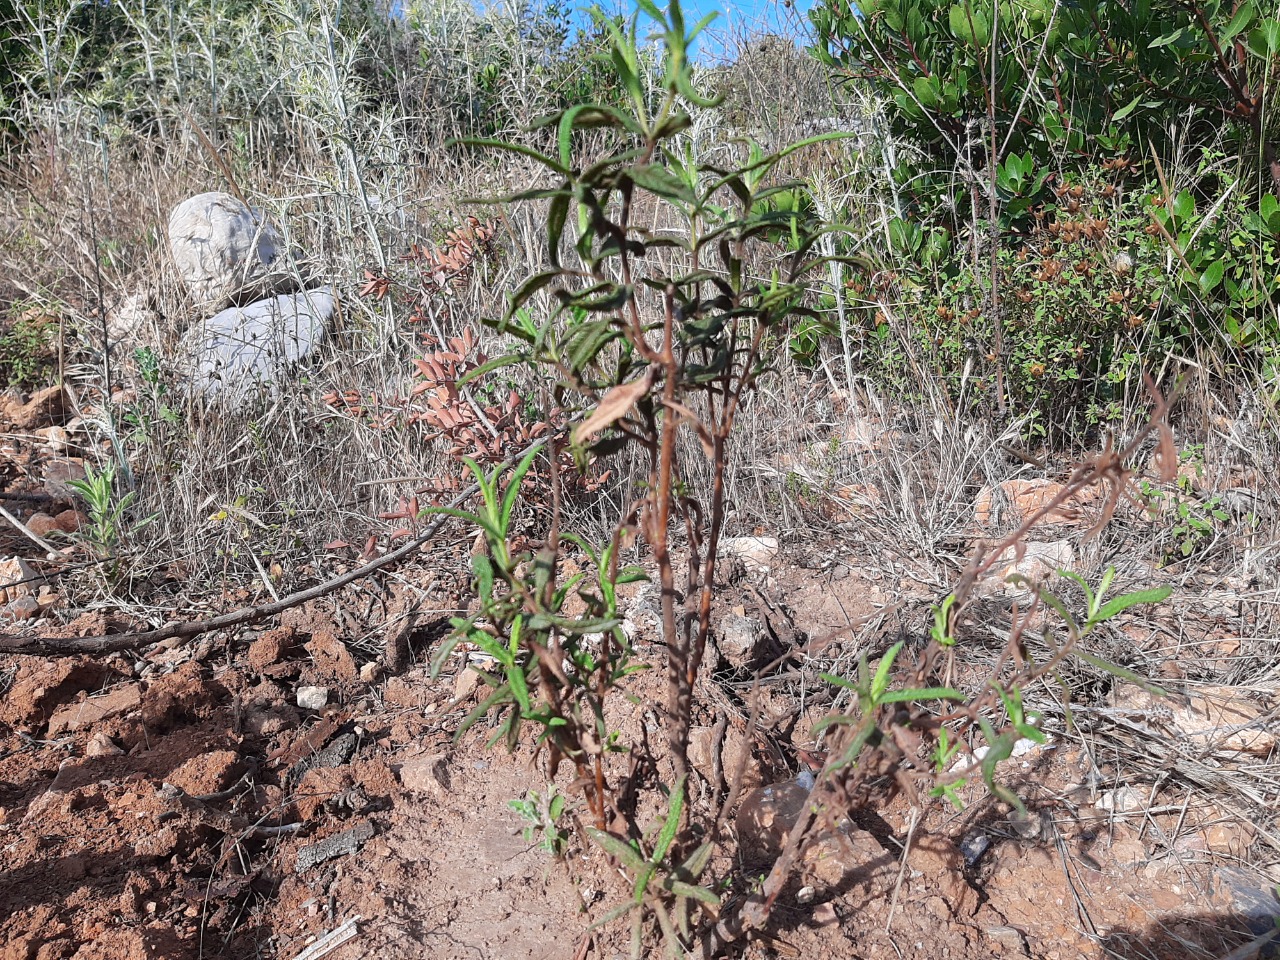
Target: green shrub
1045,255
1067,81
26,350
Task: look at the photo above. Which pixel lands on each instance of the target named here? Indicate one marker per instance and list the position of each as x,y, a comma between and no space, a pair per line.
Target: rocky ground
296,790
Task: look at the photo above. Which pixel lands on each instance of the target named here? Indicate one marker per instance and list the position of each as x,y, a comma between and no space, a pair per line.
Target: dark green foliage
1060,80
1030,122
26,350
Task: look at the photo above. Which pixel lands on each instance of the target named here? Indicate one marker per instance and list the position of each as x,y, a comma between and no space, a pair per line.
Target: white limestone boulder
242,349
223,250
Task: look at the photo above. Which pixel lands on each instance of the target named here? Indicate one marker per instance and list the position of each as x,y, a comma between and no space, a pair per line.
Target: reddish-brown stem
659,529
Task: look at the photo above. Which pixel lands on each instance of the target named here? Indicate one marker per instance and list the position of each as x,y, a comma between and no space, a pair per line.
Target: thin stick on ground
110,643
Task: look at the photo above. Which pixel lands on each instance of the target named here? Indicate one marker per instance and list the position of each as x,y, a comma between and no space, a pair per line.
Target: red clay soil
182,808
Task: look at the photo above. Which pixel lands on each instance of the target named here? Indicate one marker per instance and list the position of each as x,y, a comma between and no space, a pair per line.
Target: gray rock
242,349
221,247
313,698
756,553
973,846
1254,898
736,638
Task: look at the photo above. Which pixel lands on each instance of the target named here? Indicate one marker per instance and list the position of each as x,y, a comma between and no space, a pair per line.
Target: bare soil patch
188,808
252,794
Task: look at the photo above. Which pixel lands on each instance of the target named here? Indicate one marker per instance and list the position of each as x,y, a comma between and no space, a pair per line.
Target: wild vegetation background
1128,221
1030,207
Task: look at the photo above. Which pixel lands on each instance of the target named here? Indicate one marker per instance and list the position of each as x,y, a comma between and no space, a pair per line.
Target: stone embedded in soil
42,525
850,858
1122,800
973,846
156,941
57,476
56,439
756,553
43,408
1209,718
42,685
464,684
767,815
69,521
427,773
736,638
313,698
268,721
1026,497
735,756
270,648
81,716
101,745
333,662
183,694
47,599
1251,896
24,608
208,773
1231,836
159,843
824,915
17,579
939,869
1039,561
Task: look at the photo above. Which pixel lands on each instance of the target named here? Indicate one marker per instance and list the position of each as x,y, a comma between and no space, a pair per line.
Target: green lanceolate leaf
880,682
921,693
619,849
584,342
1120,604
501,695
621,910
660,181
532,286
490,144
1244,16
970,25
1264,41
497,363
697,861
1062,611
672,823
557,214
1212,276
1118,671
519,686
1127,108
682,889
513,485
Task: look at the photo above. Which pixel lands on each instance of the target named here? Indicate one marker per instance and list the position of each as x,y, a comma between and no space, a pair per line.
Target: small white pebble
313,698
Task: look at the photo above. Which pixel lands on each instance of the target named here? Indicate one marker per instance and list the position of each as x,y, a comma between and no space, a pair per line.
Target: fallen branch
26,497
63,646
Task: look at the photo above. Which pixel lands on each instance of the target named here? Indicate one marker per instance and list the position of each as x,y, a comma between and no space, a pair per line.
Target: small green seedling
541,813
